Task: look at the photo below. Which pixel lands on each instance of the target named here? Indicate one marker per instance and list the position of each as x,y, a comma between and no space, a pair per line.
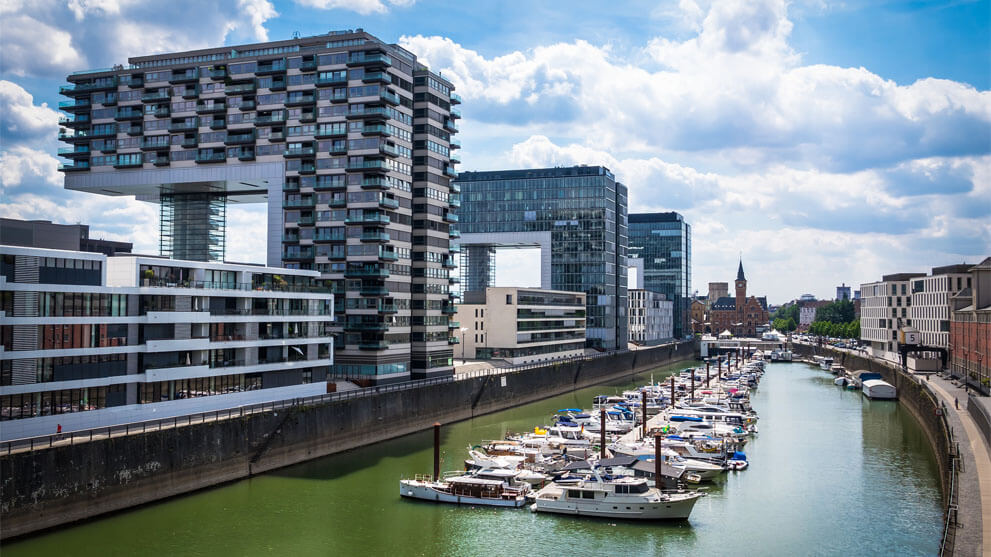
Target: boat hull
429,491
679,509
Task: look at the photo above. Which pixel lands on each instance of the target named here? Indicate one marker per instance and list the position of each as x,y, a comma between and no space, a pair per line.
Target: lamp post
463,331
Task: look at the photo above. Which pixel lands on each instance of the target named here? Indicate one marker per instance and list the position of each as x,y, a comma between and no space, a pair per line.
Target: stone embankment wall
46,488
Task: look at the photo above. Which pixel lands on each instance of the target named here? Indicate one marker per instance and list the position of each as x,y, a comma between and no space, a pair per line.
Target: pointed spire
739,272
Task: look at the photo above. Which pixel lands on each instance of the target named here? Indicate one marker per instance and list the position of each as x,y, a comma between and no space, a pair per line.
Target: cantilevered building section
347,139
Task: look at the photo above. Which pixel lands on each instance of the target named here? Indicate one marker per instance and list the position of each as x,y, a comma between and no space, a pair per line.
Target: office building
348,140
930,309
843,292
884,309
651,317
90,340
664,242
970,327
575,215
46,234
521,325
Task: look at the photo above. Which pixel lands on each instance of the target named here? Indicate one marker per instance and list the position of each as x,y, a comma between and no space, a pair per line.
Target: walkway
974,491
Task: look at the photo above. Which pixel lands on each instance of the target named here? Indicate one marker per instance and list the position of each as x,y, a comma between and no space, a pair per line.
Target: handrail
39,442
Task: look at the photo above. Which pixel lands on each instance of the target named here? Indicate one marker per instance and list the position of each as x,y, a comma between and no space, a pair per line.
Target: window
509,299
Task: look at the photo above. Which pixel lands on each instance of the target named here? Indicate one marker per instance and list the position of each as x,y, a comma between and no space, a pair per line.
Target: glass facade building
350,142
581,210
664,242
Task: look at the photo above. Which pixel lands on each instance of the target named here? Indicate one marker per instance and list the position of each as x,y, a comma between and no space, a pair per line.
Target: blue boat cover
738,455
570,410
686,419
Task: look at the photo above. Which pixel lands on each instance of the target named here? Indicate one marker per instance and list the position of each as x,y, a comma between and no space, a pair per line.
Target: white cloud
21,117
83,34
22,163
363,7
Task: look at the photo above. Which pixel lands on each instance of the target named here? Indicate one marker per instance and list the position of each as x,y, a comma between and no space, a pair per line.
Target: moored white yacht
623,497
489,487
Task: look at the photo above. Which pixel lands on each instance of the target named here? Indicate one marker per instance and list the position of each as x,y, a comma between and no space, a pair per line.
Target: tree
840,311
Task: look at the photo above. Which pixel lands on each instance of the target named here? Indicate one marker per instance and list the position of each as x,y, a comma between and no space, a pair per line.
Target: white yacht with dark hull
488,487
623,497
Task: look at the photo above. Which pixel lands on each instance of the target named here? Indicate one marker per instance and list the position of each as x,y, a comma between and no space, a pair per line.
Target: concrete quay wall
50,487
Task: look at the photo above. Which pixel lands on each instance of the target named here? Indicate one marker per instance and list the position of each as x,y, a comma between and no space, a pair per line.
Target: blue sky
828,141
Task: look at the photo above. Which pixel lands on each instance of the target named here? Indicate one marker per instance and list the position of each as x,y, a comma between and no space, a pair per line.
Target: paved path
974,491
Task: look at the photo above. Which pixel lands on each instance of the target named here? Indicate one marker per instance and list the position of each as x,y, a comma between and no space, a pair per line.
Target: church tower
741,287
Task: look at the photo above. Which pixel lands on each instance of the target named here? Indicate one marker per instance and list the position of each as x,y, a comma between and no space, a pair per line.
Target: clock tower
741,287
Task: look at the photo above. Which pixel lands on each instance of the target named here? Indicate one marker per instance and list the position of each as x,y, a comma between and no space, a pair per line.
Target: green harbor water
831,473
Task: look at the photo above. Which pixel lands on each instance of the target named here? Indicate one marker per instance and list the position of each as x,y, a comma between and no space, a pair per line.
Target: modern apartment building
664,242
930,310
521,325
843,292
575,215
970,328
651,317
884,309
90,340
350,142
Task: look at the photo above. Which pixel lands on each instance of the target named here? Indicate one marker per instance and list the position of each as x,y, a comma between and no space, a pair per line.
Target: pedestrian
58,431
956,403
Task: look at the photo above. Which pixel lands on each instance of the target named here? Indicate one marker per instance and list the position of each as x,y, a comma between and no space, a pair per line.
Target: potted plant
148,275
278,282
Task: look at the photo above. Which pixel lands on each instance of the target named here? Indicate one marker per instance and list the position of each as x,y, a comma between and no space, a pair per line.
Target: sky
827,142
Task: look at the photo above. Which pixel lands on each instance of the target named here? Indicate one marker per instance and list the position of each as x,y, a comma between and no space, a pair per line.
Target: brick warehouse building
970,327
740,315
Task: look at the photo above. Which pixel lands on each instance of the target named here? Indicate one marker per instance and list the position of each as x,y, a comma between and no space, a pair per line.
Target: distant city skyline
828,142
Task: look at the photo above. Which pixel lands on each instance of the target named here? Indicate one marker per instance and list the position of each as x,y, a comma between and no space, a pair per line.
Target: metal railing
107,432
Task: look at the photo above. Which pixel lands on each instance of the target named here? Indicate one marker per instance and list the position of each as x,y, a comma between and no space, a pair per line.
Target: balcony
376,77
448,263
389,97
105,146
375,237
74,166
389,150
455,98
368,59
455,144
388,255
307,203
159,95
161,112
300,152
191,92
136,81
73,135
377,345
269,67
101,131
453,325
449,309
373,165
307,168
374,182
326,131
241,88
74,121
306,221
453,280
450,126
74,152
128,161
454,202
386,308
455,187
328,80
188,142
371,112
276,137
302,253
308,116
339,97
328,183
99,84
154,142
376,219
184,76
376,129
161,159
450,217
211,108
241,138
295,99
366,326
74,105
135,129
218,123
210,157
372,271
454,159
245,154
268,119
453,340
374,290
278,84
389,203
247,104
323,236
218,73
308,65
338,202
448,171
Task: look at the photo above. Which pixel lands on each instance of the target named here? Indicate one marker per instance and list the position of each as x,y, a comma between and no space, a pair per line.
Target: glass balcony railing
455,98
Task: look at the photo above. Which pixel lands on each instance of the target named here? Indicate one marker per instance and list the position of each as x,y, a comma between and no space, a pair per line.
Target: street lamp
463,330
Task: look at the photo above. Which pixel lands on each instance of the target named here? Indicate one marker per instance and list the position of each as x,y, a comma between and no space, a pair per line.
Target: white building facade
651,317
930,311
91,341
884,309
521,325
